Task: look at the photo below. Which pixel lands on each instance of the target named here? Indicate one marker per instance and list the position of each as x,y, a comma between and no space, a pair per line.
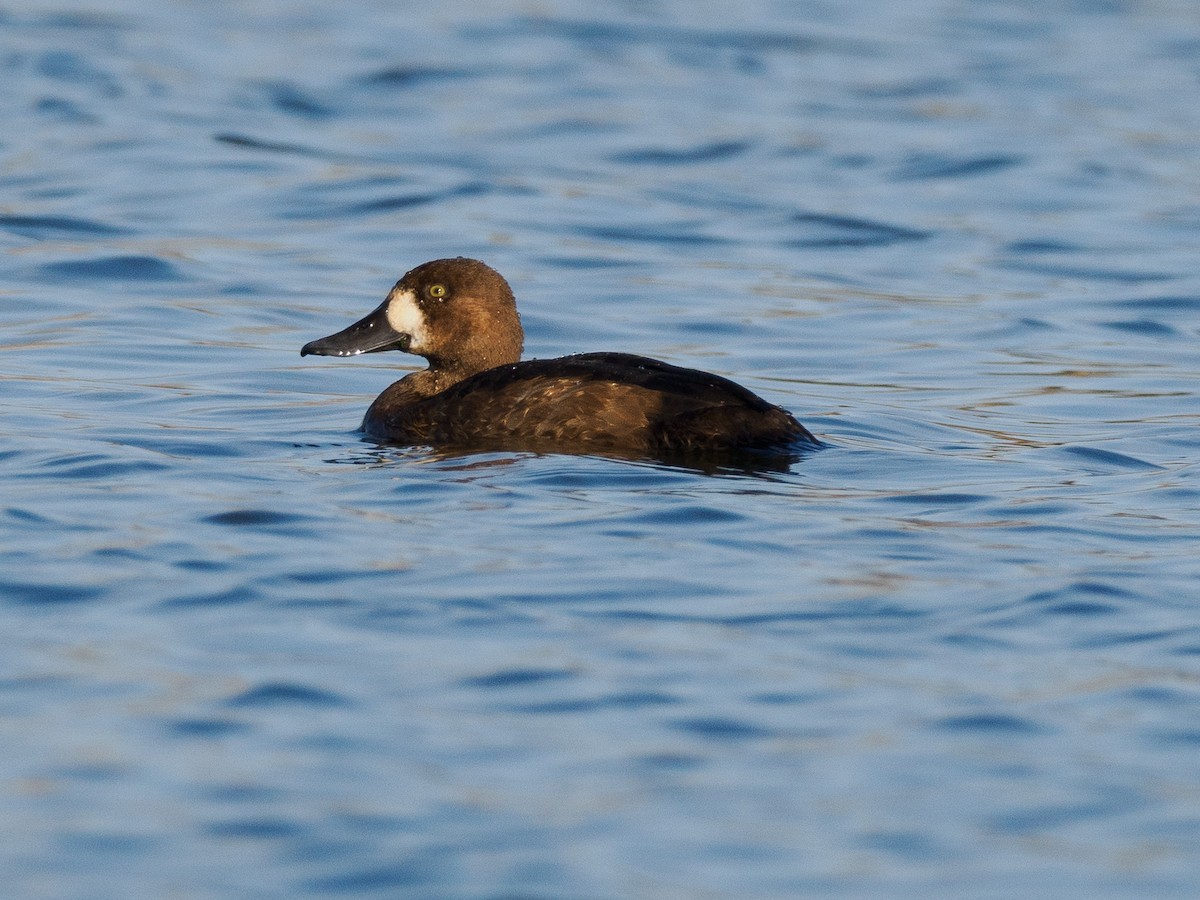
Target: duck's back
613,402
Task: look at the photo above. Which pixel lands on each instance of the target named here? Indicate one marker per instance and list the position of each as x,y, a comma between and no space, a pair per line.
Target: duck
477,394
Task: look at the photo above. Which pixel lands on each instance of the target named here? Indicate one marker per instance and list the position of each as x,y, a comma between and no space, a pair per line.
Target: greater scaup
477,394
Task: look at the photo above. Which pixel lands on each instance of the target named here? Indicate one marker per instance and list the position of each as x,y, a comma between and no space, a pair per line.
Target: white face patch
406,317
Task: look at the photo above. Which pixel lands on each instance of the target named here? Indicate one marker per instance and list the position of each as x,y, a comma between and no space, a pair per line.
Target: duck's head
459,314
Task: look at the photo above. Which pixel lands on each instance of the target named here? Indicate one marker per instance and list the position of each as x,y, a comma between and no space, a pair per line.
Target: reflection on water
952,652
747,462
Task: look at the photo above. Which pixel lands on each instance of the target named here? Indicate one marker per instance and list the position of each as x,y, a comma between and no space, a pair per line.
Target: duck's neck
419,385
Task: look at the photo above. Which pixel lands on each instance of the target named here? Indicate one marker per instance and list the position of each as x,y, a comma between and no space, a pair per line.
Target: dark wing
704,388
698,411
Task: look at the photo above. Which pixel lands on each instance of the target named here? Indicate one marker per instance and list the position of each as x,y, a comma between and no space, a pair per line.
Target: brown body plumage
477,395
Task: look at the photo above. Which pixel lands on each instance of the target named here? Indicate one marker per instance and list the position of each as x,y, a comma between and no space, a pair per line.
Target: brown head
459,314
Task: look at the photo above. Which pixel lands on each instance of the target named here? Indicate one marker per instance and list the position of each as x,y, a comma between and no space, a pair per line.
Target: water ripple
666,234
391,877
517,677
114,268
237,596
284,694
56,226
823,230
932,165
405,201
241,518
207,728
292,149
1186,304
1086,272
721,729
294,101
256,829
684,156
1038,818
47,593
1106,460
1145,327
92,467
410,76
630,700
314,202
595,33
990,723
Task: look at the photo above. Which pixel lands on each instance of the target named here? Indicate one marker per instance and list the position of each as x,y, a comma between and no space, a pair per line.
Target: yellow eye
437,291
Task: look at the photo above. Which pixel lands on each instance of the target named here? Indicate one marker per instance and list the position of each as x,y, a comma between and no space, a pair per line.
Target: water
957,653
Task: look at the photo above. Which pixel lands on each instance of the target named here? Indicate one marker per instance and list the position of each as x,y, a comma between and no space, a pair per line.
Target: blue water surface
245,653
